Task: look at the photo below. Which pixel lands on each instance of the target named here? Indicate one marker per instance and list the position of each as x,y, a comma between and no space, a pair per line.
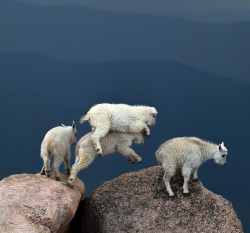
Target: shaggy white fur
188,153
56,143
118,117
114,141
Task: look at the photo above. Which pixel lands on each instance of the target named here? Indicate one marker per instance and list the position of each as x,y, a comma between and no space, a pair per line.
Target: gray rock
37,204
138,202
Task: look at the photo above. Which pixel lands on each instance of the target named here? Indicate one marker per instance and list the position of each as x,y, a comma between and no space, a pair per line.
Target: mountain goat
114,141
56,143
188,153
118,117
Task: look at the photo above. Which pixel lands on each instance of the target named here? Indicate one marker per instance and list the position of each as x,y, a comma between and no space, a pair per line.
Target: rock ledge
138,202
37,204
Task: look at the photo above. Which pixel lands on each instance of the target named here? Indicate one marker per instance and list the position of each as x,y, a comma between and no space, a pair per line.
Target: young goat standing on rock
118,117
188,153
114,141
56,143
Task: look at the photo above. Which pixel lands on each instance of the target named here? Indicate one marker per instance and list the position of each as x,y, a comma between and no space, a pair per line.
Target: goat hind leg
195,174
167,177
67,163
56,164
43,171
82,163
170,169
186,172
46,166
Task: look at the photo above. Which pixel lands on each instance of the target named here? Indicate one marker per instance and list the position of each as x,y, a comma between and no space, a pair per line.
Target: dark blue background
40,92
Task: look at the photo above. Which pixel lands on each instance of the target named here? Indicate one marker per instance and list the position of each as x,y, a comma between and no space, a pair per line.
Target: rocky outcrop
37,204
138,202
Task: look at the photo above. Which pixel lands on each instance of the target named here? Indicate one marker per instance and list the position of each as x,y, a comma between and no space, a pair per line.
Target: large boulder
37,204
138,202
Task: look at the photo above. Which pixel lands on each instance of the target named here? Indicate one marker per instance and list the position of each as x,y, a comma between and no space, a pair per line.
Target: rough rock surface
138,202
37,204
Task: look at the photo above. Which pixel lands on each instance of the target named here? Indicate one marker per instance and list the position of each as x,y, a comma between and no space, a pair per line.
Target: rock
138,202
37,204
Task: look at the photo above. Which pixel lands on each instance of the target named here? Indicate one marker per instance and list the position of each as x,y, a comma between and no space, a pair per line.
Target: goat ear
219,147
153,111
73,125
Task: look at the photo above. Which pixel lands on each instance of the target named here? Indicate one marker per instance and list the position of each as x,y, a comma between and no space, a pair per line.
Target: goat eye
223,156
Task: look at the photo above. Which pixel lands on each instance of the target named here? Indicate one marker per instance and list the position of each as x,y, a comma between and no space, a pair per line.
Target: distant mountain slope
86,35
37,93
218,16
207,11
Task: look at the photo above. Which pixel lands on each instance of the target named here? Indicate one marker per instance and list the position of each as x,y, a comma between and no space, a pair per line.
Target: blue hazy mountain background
57,61
218,11
82,34
38,93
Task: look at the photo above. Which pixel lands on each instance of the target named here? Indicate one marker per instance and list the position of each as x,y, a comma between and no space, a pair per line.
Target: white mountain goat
188,153
118,117
56,143
114,141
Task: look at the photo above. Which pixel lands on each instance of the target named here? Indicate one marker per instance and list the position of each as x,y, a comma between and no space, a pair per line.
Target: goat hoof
67,171
99,152
140,161
100,155
186,194
70,185
47,172
144,132
172,195
58,178
42,173
195,180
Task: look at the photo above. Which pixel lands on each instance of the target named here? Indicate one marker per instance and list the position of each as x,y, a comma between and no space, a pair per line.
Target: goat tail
85,118
159,160
45,150
158,157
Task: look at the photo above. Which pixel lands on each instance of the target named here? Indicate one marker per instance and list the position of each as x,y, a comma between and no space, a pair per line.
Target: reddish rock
138,202
37,204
